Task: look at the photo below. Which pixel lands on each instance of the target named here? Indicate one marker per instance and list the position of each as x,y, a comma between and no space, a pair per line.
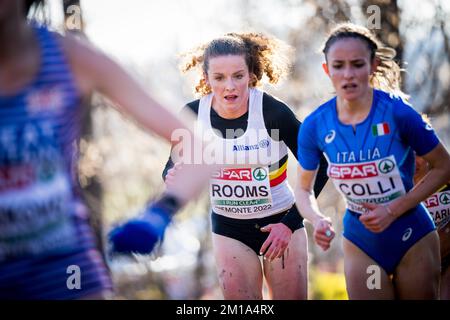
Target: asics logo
330,136
407,234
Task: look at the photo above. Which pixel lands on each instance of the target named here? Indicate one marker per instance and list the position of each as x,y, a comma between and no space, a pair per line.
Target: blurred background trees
121,165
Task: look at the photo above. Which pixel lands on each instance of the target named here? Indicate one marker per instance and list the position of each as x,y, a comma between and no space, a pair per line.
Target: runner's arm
439,174
94,71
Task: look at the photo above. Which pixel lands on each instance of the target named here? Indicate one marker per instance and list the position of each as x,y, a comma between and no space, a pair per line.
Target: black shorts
248,231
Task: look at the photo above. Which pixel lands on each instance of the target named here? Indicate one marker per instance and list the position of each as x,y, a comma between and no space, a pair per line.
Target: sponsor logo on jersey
263,144
407,234
386,166
437,199
244,174
438,206
432,201
444,198
330,136
259,174
355,171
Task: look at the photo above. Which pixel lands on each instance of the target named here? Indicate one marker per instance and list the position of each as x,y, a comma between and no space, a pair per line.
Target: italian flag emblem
380,129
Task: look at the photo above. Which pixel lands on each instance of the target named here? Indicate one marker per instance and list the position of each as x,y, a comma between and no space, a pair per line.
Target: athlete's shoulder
276,106
397,107
278,115
272,101
192,106
396,101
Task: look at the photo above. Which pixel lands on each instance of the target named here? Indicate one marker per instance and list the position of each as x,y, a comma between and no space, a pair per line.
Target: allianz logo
263,144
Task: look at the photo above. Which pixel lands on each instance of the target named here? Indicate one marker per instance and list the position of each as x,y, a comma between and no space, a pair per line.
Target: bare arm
309,209
304,195
94,71
439,174
380,217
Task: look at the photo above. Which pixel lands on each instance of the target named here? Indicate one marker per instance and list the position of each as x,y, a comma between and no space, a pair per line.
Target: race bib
438,205
376,181
241,191
36,219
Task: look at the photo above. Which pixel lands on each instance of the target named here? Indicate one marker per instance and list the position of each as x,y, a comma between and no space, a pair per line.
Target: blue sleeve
414,131
308,153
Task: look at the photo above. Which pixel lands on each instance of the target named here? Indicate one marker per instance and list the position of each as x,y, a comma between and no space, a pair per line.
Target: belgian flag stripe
280,179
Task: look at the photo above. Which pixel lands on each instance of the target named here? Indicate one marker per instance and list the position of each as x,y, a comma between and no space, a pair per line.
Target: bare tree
429,64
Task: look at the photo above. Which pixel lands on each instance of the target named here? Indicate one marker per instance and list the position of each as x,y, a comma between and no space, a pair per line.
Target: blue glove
139,235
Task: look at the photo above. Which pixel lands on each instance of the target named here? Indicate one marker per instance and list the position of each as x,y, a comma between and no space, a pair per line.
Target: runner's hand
323,233
171,174
140,235
276,242
377,219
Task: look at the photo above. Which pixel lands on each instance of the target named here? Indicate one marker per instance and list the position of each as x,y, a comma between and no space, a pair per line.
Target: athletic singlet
438,205
248,188
281,124
373,162
40,213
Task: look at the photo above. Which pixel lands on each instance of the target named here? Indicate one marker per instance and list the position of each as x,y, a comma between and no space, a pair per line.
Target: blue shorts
48,278
388,247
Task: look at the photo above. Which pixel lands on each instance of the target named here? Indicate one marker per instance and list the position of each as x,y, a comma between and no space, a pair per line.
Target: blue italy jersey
373,162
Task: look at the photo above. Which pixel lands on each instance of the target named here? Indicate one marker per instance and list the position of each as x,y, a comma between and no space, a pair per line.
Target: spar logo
444,198
438,199
242,174
354,171
260,174
432,201
386,166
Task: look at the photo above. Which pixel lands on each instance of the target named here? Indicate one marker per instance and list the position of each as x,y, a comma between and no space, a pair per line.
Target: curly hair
387,76
263,56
